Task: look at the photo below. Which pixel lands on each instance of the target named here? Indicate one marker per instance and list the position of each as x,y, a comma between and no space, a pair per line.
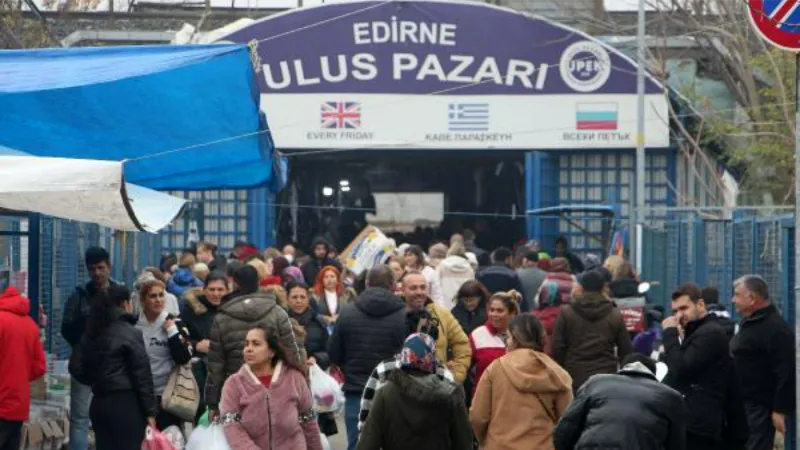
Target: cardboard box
32,437
53,435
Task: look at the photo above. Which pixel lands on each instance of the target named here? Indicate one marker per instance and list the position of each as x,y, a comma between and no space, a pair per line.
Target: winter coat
417,412
531,279
316,342
453,271
501,278
487,346
348,297
76,315
182,280
590,338
624,288
281,417
698,369
21,353
452,346
117,361
549,300
720,315
366,333
765,358
518,402
198,315
237,315
164,350
470,320
628,411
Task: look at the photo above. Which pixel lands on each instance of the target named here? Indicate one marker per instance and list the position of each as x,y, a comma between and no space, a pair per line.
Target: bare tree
759,135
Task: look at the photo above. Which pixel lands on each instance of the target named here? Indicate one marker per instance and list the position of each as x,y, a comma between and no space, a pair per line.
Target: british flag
340,115
784,13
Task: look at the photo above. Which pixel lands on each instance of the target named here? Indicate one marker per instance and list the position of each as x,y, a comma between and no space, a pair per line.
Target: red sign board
777,21
634,318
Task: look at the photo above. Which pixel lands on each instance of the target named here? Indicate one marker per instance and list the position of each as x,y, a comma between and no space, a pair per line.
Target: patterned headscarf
419,353
548,294
295,273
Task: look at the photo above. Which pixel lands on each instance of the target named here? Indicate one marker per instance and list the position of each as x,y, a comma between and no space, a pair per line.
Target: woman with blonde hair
525,383
166,341
488,341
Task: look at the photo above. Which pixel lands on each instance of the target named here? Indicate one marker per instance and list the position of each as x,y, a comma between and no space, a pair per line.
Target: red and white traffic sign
777,21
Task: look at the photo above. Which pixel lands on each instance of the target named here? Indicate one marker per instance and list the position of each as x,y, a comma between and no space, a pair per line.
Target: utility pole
638,214
797,229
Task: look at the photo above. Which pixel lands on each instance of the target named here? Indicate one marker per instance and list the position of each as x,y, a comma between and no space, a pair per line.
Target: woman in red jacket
488,341
23,362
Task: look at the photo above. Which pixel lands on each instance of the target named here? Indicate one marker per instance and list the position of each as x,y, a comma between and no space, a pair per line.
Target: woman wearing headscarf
549,301
525,383
416,409
560,273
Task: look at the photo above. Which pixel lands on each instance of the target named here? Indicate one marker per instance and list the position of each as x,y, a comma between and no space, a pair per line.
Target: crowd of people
433,350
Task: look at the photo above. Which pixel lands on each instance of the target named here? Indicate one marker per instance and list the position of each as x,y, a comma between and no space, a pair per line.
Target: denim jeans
79,402
352,406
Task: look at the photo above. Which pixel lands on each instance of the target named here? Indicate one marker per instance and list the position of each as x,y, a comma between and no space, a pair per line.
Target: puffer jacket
452,345
22,355
117,361
453,272
367,332
627,411
182,280
198,315
522,384
237,315
590,338
316,341
417,412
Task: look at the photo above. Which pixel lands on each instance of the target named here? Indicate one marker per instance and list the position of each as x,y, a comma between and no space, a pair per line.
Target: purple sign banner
431,47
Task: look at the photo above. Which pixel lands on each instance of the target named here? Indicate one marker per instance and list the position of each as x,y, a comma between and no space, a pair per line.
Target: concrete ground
339,440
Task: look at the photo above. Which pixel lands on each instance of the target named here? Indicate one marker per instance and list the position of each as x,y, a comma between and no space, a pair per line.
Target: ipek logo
585,66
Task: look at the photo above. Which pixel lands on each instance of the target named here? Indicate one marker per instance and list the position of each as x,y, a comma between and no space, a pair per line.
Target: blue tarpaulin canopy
184,117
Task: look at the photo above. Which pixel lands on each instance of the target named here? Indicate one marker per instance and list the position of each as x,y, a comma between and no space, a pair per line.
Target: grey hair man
765,358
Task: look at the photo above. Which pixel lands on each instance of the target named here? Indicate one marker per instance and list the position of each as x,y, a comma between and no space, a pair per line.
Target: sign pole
637,214
797,232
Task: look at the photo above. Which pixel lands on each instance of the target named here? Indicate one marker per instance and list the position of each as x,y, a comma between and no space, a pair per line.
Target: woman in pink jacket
267,405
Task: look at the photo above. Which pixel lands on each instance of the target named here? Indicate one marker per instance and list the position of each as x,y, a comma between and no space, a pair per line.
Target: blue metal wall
591,178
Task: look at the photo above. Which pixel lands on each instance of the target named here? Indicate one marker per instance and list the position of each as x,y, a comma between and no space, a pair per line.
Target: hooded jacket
622,412
416,411
453,271
22,355
235,317
519,401
590,338
366,333
257,418
311,269
182,280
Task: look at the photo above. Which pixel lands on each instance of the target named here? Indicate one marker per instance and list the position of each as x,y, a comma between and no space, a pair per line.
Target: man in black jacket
717,311
630,410
319,259
765,358
366,333
500,277
700,368
76,315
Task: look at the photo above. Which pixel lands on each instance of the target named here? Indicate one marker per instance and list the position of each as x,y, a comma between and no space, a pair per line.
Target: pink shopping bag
154,440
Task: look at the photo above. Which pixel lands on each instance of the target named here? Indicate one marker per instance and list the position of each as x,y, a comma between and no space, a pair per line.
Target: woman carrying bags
166,340
267,404
116,366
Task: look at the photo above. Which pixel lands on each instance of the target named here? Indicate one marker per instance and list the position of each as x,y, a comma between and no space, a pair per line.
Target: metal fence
715,252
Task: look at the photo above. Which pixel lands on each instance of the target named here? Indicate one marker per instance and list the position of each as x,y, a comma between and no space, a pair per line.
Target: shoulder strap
550,413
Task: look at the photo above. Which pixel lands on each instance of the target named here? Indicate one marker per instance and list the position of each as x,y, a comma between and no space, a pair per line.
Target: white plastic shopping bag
175,437
325,444
327,393
211,437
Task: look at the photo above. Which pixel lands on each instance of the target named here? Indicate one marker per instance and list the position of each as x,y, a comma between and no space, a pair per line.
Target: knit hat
419,353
